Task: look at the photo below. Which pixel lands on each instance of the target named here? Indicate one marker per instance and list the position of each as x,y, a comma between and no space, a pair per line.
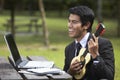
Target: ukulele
84,56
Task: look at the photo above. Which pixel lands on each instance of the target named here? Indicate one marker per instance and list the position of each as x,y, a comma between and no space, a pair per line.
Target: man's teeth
70,30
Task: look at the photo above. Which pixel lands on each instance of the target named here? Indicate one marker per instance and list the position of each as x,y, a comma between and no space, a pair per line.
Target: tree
12,15
99,10
118,16
43,17
1,5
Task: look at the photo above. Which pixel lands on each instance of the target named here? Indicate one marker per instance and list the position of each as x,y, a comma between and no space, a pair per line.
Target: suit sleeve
104,63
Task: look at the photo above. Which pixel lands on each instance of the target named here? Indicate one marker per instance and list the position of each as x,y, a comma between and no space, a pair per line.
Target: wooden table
9,72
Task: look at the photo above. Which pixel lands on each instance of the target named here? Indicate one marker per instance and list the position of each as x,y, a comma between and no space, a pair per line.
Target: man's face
75,28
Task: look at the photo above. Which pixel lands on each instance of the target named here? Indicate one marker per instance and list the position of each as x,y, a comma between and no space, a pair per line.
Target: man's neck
80,38
84,40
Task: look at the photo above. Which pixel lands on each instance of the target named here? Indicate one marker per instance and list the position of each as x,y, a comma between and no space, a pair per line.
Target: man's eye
75,22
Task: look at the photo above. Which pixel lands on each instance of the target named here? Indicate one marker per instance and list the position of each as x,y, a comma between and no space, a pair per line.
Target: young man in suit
101,64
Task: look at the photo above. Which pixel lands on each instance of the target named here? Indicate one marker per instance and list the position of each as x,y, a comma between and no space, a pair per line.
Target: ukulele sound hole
82,62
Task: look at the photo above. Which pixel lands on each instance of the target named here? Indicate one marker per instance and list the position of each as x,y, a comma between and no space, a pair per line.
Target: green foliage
109,7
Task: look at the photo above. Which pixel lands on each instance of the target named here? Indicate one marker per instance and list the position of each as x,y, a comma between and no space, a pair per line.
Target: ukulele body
79,58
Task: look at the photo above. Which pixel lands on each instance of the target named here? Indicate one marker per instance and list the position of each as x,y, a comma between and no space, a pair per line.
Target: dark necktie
78,47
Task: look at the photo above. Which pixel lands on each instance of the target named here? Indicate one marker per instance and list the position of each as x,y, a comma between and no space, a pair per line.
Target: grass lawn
31,44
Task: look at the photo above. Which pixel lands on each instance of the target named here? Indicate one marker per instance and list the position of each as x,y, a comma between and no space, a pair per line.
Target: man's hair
86,15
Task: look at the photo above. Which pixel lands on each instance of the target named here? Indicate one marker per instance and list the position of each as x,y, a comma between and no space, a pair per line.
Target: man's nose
70,24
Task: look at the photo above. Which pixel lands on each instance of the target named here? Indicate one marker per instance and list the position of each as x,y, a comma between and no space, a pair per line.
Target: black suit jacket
102,70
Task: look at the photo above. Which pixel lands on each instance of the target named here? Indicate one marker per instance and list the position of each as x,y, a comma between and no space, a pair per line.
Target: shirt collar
83,41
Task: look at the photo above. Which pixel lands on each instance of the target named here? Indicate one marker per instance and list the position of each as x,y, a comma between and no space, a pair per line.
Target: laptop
18,61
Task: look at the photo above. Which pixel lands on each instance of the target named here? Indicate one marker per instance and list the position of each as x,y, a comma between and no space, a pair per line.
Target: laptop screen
12,47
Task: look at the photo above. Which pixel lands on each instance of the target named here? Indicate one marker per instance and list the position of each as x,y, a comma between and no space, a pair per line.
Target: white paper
40,64
46,70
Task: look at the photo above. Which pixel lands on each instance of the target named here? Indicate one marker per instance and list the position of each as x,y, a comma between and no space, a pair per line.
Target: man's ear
87,25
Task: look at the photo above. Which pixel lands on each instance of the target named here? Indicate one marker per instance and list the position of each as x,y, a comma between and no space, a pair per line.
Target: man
101,64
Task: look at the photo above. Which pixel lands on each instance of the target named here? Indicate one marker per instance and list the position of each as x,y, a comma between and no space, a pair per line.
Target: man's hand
93,46
75,68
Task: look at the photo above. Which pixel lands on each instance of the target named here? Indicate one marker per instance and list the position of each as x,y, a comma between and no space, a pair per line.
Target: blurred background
40,26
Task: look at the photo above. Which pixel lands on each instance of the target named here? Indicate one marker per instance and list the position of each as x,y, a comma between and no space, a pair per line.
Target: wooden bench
33,22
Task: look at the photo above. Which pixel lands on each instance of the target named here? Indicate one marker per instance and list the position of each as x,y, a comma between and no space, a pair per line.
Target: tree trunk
118,16
43,17
1,5
12,14
99,10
